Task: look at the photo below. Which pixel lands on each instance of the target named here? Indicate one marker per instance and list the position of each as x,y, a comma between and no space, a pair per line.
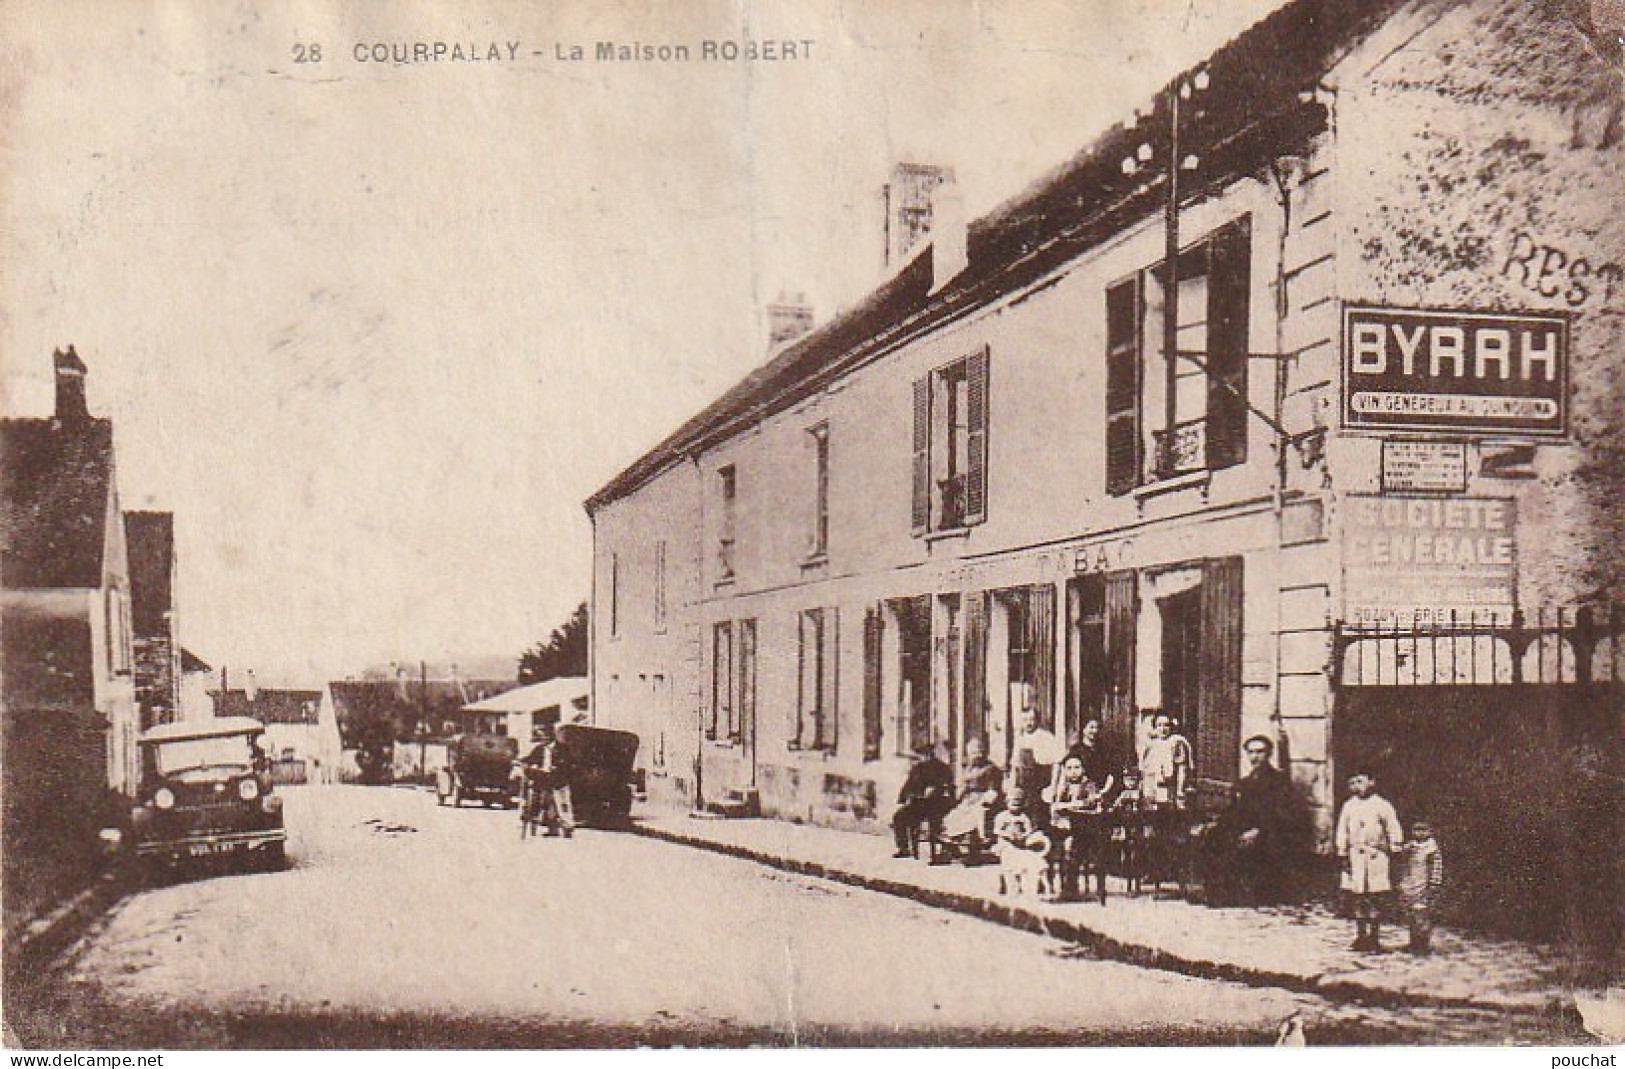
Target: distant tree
563,654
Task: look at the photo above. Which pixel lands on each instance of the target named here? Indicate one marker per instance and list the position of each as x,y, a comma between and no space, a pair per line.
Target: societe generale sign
1461,373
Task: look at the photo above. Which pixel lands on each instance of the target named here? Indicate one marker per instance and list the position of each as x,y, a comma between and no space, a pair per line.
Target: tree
563,654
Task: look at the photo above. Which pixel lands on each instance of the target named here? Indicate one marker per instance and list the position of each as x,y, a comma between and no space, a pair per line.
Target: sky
373,332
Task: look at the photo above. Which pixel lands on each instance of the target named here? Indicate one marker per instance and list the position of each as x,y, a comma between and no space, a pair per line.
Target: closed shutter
1123,446
975,689
1122,621
1041,651
1229,286
976,396
922,454
744,723
1218,719
873,628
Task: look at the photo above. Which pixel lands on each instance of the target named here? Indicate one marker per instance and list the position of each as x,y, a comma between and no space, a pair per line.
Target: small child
1421,874
1021,848
1368,834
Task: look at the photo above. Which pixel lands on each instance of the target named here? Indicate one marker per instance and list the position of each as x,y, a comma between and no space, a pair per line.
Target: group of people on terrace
1060,811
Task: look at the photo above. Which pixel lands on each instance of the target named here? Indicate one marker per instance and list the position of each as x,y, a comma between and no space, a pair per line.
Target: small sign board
1424,467
1460,372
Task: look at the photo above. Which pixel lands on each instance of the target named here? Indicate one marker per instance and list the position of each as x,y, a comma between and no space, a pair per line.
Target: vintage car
480,767
601,778
205,793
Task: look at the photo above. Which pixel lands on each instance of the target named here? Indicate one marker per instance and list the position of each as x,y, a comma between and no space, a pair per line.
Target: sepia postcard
797,523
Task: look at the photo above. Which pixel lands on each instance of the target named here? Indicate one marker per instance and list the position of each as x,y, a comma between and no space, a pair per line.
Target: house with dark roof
1325,335
150,540
66,584
303,745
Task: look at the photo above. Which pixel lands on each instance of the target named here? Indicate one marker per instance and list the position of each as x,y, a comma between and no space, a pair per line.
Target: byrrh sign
1474,373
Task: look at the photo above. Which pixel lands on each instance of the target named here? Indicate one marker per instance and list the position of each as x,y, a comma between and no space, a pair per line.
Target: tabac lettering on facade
1459,372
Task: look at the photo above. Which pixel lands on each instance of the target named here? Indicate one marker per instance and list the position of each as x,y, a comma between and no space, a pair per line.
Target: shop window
950,446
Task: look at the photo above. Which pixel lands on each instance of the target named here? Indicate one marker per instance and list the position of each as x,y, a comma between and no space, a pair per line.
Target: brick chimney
71,409
908,202
788,318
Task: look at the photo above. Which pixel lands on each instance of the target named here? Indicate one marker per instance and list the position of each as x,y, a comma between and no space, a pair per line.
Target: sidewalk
1299,948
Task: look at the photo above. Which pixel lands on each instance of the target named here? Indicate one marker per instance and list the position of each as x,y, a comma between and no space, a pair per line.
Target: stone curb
1023,918
36,943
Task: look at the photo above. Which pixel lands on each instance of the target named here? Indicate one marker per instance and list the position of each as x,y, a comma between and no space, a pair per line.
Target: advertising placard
1425,467
1466,373
1415,560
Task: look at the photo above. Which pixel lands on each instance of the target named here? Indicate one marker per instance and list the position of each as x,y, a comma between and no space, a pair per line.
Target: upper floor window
614,595
950,445
660,586
818,536
727,496
1164,421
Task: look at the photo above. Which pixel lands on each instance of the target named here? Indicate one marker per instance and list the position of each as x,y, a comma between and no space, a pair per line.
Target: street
403,924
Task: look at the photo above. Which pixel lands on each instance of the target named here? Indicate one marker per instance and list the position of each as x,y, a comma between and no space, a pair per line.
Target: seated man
1257,841
925,798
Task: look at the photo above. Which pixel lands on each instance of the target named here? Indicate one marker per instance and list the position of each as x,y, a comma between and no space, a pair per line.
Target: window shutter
1218,699
922,454
975,689
744,720
1122,621
1229,285
873,623
1123,445
832,678
1041,651
976,385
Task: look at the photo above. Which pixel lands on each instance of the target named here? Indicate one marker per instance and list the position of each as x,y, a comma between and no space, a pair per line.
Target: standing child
1421,874
1368,832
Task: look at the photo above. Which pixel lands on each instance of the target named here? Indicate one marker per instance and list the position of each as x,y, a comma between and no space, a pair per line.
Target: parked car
206,793
601,776
480,767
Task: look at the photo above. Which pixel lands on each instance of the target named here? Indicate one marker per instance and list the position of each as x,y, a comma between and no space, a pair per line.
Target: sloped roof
192,663
535,697
54,485
149,539
1253,111
270,705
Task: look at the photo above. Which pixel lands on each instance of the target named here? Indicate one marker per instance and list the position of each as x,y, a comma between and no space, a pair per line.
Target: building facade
985,493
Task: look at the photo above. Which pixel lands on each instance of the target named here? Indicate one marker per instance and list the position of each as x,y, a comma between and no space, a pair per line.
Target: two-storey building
1324,335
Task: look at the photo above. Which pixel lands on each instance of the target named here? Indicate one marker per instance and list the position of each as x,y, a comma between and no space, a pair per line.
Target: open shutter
976,373
922,454
1122,621
873,625
832,678
1229,286
1041,651
1123,366
1218,718
975,689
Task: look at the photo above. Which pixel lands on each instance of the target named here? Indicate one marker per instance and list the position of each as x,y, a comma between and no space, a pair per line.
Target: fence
1580,645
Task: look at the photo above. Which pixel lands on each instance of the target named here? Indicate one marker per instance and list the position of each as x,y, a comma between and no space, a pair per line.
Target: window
818,537
614,595
816,721
722,677
950,446
874,626
733,679
727,493
660,587
1208,404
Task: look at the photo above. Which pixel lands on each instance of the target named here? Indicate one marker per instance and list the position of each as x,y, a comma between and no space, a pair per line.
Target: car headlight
163,798
248,789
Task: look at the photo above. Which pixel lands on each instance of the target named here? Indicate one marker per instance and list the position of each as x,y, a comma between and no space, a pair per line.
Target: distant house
304,747
196,675
519,712
150,537
366,710
65,606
